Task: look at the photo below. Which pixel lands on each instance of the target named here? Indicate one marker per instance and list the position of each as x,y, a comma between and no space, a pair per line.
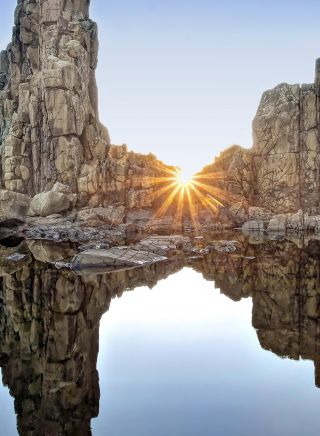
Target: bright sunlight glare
184,178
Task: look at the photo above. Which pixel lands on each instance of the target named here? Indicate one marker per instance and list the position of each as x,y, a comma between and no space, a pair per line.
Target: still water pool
224,345
183,359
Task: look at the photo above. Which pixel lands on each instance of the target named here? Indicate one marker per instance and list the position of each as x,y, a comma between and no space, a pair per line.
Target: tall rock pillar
49,125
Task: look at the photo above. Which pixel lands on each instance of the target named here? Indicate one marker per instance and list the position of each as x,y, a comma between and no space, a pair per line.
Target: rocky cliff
281,170
49,125
53,146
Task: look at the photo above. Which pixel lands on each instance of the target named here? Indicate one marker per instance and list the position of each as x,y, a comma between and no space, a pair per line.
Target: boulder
220,247
238,213
296,221
163,245
259,214
13,205
46,251
312,222
49,203
276,225
113,215
115,258
253,226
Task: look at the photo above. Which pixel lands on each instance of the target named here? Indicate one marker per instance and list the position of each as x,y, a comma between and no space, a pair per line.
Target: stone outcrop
13,205
281,170
51,136
49,125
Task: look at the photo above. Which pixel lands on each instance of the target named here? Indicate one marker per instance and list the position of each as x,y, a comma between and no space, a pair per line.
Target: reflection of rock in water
283,281
49,329
49,323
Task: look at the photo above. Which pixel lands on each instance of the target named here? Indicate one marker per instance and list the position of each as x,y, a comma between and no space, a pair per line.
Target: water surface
224,344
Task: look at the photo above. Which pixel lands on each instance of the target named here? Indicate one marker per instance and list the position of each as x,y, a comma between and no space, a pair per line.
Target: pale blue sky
183,78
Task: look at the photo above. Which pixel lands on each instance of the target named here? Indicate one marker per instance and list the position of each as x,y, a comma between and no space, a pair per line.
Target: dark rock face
49,341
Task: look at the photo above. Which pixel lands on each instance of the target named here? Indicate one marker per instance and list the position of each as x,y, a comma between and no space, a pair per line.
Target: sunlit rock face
50,133
286,147
281,170
49,119
49,125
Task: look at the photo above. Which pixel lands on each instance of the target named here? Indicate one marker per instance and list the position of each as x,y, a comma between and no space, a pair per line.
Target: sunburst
180,194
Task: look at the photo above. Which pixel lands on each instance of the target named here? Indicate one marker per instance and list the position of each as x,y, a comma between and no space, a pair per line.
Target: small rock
259,214
16,257
253,226
276,225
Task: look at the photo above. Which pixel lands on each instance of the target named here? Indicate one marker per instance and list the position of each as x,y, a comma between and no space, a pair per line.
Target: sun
184,180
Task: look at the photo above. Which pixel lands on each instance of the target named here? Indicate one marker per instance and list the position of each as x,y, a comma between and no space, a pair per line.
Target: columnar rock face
49,125
286,147
281,171
50,132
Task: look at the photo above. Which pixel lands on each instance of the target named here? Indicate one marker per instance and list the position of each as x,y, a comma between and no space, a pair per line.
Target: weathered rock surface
164,245
13,205
49,203
281,171
253,226
115,258
53,146
49,125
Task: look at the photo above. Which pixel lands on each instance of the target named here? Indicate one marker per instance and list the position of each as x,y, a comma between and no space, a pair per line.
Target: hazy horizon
183,80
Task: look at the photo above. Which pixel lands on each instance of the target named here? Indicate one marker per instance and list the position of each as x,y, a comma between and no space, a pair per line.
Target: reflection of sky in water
182,360
8,419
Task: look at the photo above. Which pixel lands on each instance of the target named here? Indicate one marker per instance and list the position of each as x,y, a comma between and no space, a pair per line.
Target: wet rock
164,245
276,225
49,252
296,221
253,226
238,213
259,214
16,257
115,257
312,223
221,247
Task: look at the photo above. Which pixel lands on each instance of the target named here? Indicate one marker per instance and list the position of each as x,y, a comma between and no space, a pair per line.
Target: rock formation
54,148
49,125
281,171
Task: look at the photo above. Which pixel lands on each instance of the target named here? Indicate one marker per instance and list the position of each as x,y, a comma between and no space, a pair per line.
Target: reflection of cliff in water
49,322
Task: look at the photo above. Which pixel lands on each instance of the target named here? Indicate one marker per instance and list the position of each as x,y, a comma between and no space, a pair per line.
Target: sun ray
193,212
217,192
167,203
163,190
219,175
179,212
